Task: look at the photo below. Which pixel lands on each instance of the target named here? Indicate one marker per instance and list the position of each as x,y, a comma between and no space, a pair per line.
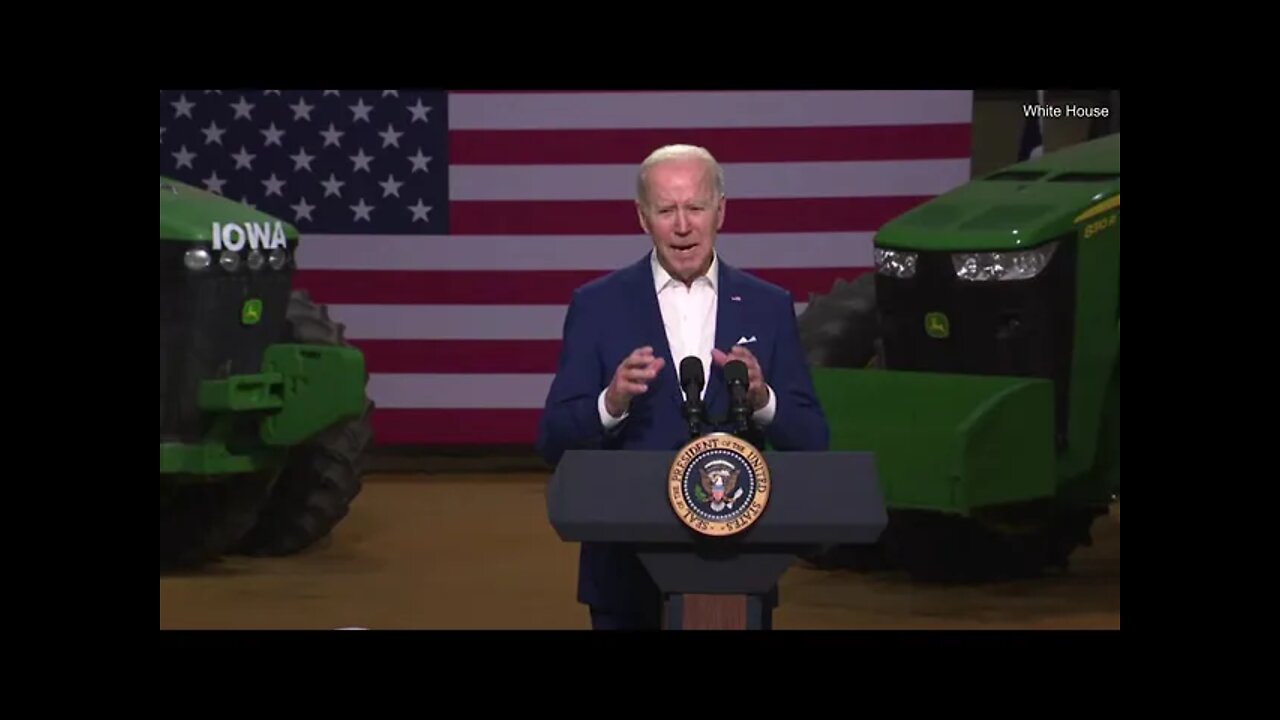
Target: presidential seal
718,484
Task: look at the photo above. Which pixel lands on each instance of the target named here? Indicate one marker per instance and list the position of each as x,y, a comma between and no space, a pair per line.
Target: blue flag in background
1032,144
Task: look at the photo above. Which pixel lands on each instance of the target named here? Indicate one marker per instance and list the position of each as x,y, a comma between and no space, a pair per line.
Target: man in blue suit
625,335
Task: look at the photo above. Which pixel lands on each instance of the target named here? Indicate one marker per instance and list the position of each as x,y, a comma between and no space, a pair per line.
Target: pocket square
744,340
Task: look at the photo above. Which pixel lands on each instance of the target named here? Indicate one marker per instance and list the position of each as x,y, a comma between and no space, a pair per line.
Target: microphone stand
693,410
738,412
695,414
735,374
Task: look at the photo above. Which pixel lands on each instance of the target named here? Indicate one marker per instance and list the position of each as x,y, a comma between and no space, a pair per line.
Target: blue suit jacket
608,319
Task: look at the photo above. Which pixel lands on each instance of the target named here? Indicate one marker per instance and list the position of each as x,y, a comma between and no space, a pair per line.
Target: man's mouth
684,249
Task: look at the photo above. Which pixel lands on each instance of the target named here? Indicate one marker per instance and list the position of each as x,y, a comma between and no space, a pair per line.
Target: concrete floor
476,551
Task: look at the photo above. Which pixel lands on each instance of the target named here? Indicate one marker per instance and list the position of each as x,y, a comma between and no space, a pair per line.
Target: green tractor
980,362
264,417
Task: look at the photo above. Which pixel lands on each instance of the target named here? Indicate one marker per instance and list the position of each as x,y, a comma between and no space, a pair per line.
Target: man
625,334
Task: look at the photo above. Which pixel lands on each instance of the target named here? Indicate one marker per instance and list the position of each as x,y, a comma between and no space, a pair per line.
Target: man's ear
644,221
720,214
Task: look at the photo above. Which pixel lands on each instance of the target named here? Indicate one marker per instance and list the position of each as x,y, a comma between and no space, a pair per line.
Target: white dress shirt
689,318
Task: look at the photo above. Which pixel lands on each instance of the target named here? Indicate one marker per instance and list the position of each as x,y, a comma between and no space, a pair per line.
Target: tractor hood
188,214
1017,207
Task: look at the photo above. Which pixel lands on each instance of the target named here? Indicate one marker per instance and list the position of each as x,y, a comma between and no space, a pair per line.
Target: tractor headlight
197,259
1019,265
256,259
229,261
277,258
895,263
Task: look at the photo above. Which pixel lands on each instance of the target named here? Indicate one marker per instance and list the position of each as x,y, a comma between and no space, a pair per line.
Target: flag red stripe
485,287
616,217
460,356
731,145
401,426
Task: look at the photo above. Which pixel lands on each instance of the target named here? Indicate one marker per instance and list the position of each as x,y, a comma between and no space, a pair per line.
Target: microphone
735,375
691,382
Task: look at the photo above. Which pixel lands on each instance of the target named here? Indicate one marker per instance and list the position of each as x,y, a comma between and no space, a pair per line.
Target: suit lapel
728,312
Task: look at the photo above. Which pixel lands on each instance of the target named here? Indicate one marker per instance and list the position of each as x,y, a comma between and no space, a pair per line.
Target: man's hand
630,379
757,393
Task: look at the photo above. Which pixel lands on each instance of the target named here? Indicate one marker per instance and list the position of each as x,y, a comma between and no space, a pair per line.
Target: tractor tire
941,548
323,476
842,330
201,519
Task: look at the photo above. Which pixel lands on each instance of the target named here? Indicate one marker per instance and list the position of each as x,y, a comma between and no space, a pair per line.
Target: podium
716,582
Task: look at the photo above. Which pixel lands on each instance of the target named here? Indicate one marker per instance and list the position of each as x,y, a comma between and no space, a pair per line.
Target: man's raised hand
757,393
631,379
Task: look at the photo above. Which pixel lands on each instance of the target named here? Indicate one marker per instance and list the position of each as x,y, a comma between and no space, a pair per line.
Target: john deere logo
936,325
718,485
251,313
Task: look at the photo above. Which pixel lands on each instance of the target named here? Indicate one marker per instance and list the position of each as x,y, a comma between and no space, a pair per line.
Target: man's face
682,213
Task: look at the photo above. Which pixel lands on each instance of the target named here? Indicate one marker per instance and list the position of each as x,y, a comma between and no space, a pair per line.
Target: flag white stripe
455,322
562,111
425,390
743,180
569,252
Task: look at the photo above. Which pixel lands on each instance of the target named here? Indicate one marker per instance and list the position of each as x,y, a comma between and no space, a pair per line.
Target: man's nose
682,222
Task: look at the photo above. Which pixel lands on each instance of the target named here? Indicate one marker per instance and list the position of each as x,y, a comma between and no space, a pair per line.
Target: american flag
447,230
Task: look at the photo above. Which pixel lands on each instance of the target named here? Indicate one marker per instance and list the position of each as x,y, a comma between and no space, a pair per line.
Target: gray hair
674,152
